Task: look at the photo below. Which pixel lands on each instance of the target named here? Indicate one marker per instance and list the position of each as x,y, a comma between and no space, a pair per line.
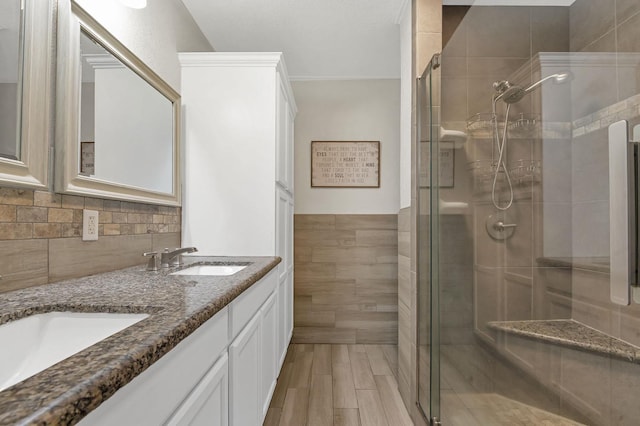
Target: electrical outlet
89,225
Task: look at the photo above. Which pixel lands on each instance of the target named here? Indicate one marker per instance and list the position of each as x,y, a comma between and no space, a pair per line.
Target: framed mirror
117,121
25,92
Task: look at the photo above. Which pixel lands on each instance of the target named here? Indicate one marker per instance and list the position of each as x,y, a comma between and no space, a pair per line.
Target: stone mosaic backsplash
40,236
27,214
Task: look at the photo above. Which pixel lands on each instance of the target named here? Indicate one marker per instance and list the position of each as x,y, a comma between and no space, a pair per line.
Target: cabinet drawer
248,303
153,396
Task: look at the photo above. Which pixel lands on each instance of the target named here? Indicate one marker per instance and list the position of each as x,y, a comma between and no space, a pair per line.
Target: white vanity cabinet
224,373
239,114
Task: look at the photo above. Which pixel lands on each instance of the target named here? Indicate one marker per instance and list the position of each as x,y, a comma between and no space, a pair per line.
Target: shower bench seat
572,334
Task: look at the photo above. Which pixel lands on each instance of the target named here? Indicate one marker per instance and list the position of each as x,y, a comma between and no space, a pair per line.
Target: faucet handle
152,265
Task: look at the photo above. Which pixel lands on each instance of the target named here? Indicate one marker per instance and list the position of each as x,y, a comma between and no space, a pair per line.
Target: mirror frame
71,19
32,169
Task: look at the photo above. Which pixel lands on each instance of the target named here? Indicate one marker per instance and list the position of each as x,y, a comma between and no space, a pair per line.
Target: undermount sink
219,270
35,343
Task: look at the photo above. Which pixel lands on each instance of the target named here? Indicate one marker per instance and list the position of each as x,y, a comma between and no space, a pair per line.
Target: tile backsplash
40,236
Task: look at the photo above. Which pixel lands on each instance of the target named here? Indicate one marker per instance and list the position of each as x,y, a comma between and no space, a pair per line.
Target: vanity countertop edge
177,305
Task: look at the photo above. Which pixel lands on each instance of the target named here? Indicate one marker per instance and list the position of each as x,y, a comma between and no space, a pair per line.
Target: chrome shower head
513,94
508,92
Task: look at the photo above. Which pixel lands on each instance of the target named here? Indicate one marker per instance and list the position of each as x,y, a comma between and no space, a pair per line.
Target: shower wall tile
589,20
589,392
549,29
557,160
488,252
625,9
454,31
519,247
488,296
591,229
590,164
497,32
454,105
625,380
518,297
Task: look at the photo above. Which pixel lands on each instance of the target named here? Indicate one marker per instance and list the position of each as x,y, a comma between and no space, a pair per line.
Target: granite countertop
572,334
177,305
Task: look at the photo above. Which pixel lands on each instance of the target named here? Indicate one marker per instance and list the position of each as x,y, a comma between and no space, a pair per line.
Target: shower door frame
433,414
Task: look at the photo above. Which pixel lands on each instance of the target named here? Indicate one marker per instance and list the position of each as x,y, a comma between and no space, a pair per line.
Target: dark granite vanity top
572,334
177,305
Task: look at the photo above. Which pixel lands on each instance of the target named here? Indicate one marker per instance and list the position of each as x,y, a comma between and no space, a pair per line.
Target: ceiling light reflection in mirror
126,125
11,24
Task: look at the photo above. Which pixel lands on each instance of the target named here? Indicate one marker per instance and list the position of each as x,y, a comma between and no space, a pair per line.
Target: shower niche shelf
521,126
522,173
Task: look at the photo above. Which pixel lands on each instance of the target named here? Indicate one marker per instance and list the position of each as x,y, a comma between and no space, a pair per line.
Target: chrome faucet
173,257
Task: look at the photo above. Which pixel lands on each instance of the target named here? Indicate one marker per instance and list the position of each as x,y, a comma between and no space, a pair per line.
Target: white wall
155,34
406,86
353,110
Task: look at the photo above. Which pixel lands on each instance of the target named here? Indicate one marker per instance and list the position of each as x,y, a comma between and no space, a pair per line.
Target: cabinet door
269,347
282,231
282,132
289,237
208,403
288,308
282,322
245,407
290,148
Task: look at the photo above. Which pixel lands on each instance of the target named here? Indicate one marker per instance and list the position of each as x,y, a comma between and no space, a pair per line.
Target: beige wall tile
47,230
111,229
71,230
361,222
31,214
47,199
105,217
7,213
60,215
72,257
24,264
376,238
118,217
20,197
16,231
72,202
315,221
93,203
112,205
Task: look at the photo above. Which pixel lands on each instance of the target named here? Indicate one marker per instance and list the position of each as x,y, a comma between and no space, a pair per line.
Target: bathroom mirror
25,92
117,121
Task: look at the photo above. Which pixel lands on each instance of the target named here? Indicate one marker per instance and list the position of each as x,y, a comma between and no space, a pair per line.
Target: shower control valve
501,226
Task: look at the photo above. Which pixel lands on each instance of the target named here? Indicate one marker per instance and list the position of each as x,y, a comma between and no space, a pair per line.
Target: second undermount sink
35,343
214,270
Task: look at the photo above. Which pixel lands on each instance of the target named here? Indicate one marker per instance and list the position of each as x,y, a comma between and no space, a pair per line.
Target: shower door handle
623,214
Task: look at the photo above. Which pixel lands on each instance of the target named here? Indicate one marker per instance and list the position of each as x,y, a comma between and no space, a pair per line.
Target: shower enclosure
527,211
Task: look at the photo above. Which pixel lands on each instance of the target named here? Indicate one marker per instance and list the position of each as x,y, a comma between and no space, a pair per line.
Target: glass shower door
428,229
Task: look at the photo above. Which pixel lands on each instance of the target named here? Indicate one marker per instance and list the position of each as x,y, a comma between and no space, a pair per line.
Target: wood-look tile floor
339,385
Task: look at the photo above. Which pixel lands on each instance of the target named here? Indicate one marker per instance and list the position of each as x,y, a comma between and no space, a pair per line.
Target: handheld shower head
512,93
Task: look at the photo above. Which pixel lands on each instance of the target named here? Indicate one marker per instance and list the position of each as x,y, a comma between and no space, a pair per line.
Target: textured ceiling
319,38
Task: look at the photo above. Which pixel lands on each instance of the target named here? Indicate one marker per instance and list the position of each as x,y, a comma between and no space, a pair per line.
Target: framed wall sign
345,164
446,167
